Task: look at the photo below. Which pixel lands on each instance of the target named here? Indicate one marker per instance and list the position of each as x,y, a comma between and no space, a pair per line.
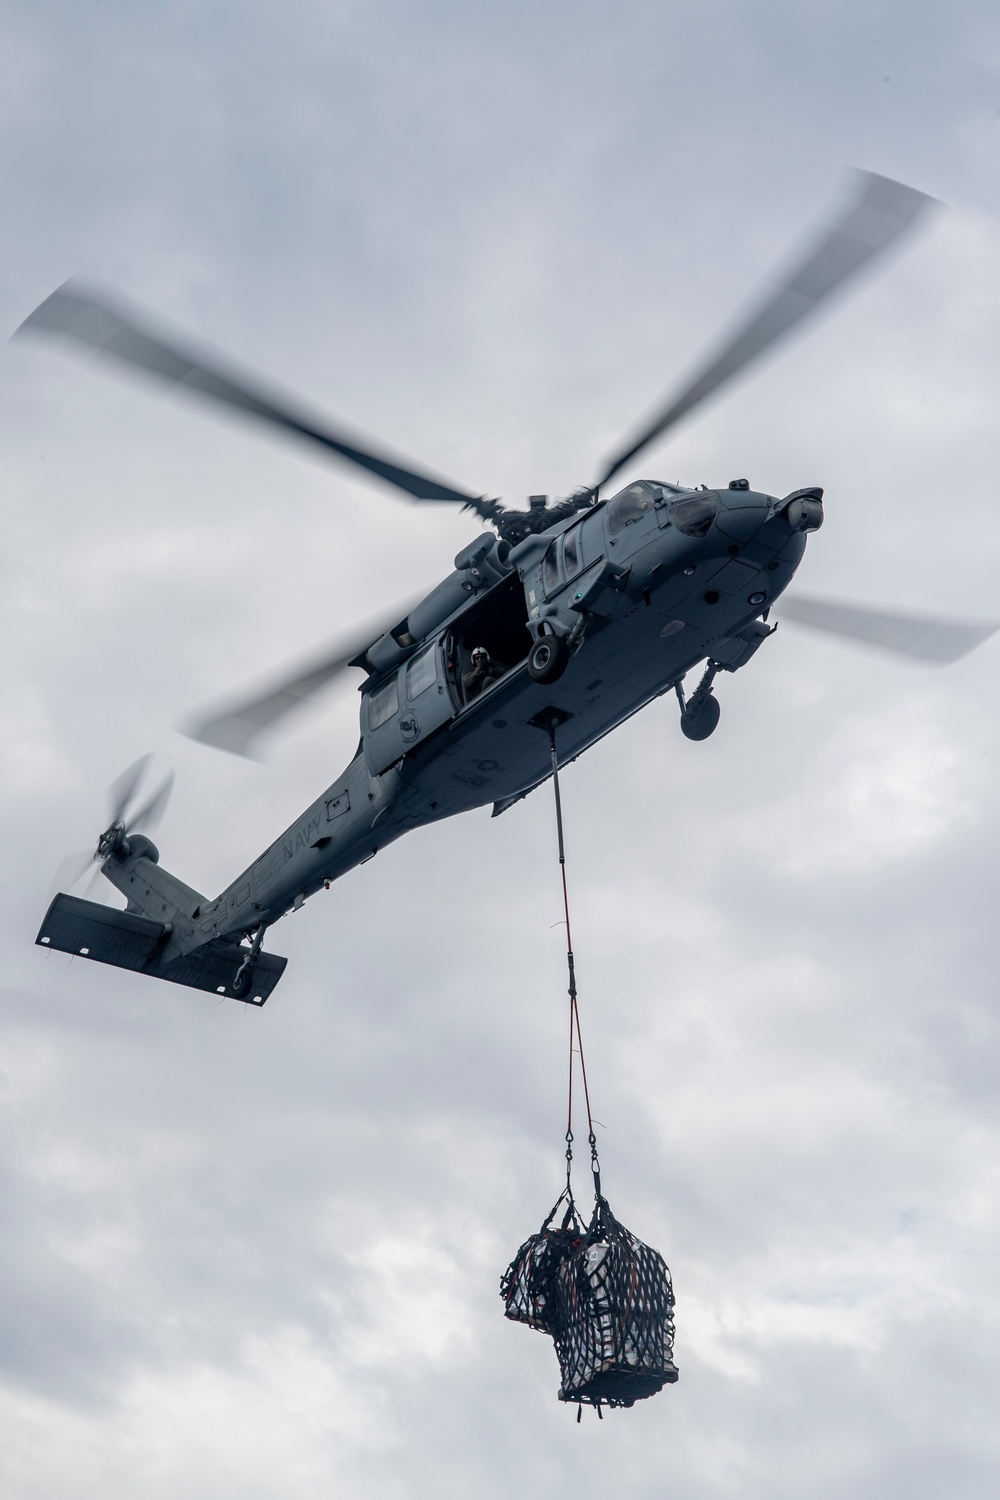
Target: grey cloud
258,1254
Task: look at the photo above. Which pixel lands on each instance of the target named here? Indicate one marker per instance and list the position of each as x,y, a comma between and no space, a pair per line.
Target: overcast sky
252,1254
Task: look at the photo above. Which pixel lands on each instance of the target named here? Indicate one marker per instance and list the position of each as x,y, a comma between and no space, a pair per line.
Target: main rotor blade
88,317
235,726
919,636
880,212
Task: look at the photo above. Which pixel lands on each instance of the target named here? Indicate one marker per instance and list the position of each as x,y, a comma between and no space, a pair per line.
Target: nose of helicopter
742,512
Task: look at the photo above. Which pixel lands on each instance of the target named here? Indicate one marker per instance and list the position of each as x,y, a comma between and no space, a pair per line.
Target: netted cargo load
528,1286
614,1317
607,1301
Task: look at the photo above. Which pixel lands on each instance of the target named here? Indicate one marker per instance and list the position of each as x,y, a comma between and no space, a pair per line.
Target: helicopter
554,627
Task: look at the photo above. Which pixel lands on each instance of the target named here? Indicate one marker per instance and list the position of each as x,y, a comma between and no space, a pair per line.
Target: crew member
483,671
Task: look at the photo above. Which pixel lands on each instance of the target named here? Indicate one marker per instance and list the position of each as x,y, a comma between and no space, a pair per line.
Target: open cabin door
410,704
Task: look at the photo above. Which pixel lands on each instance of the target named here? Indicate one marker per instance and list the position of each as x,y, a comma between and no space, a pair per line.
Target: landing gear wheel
548,658
243,981
702,722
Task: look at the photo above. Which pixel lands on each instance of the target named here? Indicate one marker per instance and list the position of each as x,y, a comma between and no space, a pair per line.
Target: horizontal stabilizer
213,966
126,941
73,925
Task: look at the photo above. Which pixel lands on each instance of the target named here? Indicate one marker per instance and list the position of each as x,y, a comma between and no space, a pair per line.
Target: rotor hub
112,841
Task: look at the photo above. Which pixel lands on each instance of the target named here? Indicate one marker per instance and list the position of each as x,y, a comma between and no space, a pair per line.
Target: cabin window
572,553
550,568
382,704
695,513
421,673
630,505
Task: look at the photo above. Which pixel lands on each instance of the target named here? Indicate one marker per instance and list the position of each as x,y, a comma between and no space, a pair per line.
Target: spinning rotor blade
78,313
71,870
123,788
121,793
918,636
236,726
882,210
152,811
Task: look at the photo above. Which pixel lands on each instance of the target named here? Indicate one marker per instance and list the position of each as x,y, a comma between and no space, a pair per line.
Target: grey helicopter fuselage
641,588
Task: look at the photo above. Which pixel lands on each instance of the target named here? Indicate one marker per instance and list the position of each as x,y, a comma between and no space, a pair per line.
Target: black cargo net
528,1286
605,1298
614,1317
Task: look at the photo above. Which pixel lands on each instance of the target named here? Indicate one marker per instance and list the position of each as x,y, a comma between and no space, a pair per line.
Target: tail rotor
129,815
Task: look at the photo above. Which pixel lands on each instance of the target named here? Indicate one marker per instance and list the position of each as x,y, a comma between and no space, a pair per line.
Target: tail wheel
702,722
243,980
548,658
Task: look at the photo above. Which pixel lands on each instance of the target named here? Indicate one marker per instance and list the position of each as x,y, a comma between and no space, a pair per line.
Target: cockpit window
572,556
421,673
629,505
694,514
383,703
550,568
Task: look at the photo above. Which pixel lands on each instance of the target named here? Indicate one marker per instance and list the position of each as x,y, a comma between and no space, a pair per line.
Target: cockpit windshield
693,514
629,505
